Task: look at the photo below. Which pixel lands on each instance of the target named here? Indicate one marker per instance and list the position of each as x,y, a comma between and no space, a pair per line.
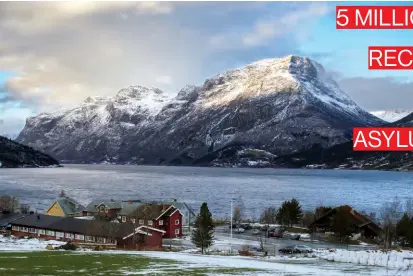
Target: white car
256,231
239,230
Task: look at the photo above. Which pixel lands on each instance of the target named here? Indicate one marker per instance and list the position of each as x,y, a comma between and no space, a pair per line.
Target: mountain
391,115
13,155
251,114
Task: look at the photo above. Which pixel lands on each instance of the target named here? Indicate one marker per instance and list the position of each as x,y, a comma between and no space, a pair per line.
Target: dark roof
125,207
359,220
73,225
69,205
7,218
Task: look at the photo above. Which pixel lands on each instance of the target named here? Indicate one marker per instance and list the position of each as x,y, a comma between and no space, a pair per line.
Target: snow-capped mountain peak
391,115
139,98
274,106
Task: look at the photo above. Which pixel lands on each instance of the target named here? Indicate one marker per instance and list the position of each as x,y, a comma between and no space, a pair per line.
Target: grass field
80,263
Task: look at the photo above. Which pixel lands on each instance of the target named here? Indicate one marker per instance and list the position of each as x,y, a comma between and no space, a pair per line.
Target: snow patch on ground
15,244
392,259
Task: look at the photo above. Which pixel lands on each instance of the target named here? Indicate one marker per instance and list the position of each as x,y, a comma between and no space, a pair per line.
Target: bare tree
409,207
268,216
237,215
8,203
391,213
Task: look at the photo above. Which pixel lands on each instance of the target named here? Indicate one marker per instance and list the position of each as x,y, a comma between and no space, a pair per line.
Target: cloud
288,21
379,93
168,80
154,7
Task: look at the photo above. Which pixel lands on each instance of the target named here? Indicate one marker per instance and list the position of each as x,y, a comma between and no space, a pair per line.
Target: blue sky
59,56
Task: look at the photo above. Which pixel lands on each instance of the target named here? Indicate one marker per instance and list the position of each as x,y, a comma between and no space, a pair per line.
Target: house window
41,232
24,229
124,219
15,228
133,221
150,222
106,209
100,240
177,222
90,238
60,235
102,208
50,233
69,236
160,222
176,231
79,237
32,230
141,221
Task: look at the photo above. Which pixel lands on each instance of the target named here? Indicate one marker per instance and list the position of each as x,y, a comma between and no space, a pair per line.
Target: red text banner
374,17
383,139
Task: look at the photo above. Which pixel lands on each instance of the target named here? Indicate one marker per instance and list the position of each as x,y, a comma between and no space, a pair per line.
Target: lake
253,189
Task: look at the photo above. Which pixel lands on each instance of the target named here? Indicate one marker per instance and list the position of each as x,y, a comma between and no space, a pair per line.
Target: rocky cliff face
268,108
14,155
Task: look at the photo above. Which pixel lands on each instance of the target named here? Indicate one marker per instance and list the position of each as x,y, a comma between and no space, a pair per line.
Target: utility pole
230,240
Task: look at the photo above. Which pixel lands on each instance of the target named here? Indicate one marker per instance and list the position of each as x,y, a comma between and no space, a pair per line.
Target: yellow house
65,207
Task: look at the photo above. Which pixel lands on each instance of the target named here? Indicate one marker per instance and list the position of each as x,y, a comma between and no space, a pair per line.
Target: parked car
246,226
239,230
292,249
295,237
256,232
276,235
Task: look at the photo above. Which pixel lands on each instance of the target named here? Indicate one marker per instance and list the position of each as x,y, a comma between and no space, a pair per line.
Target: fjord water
254,189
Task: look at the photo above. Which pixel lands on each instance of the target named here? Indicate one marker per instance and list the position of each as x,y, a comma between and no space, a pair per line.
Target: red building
170,221
161,216
121,235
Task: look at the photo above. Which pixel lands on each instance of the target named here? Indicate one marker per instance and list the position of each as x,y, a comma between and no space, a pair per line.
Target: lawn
81,263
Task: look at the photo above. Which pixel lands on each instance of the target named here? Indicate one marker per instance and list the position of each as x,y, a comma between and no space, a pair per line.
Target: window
177,222
69,236
60,235
124,219
106,209
41,232
89,238
79,237
100,240
141,221
102,208
160,222
15,228
32,230
150,222
50,233
24,229
176,231
133,221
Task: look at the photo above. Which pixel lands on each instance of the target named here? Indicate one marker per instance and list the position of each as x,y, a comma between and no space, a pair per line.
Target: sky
55,54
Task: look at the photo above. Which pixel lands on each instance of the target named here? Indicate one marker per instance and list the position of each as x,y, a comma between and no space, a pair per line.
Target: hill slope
14,155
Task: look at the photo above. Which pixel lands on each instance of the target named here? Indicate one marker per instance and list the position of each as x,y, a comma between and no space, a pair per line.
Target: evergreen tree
404,230
290,212
341,225
203,235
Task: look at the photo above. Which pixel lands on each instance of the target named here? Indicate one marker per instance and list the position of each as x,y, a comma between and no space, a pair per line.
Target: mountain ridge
277,106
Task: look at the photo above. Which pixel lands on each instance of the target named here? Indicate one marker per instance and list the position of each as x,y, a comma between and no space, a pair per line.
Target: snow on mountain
391,115
270,107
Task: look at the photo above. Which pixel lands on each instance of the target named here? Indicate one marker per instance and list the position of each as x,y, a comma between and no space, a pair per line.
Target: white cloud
154,7
265,31
167,80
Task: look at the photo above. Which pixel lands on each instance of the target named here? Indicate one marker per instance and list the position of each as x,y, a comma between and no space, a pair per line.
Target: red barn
170,221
